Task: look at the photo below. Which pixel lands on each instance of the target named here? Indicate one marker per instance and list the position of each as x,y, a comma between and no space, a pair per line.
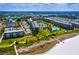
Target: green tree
29,39
1,31
43,34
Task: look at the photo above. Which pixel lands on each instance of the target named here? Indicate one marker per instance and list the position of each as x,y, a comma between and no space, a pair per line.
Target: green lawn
25,39
1,31
8,42
7,50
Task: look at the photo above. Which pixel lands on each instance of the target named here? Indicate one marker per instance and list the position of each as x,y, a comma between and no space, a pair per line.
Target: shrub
30,39
43,34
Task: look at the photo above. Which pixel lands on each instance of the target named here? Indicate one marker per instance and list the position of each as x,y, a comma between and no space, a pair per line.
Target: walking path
15,48
1,37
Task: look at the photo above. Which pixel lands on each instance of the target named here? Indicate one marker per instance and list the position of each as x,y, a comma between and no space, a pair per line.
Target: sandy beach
69,47
44,46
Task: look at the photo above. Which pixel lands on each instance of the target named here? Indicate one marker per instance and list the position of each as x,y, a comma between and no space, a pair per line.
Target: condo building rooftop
35,24
11,30
60,20
76,21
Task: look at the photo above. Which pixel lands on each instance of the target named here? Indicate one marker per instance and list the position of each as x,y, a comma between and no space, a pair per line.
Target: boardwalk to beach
1,37
15,50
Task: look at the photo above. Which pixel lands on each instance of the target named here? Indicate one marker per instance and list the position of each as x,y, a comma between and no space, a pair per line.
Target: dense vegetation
7,51
1,31
43,34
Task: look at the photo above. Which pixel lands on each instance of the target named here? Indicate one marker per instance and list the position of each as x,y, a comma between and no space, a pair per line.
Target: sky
39,6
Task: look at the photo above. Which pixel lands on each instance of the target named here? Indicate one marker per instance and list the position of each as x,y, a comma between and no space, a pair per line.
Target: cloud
39,7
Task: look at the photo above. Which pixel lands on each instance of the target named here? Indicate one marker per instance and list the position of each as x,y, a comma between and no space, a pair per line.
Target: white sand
69,47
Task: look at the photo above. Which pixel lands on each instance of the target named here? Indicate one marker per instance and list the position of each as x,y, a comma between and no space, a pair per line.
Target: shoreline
44,46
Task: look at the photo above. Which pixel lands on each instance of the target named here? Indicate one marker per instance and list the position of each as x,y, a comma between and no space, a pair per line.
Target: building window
21,33
14,34
8,35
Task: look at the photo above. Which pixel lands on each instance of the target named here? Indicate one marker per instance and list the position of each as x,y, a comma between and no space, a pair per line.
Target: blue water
39,12
55,28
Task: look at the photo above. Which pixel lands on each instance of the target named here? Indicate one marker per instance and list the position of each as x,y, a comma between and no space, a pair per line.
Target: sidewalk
1,37
15,48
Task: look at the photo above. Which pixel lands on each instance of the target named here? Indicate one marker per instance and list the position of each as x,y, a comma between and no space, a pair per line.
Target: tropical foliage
29,39
43,34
